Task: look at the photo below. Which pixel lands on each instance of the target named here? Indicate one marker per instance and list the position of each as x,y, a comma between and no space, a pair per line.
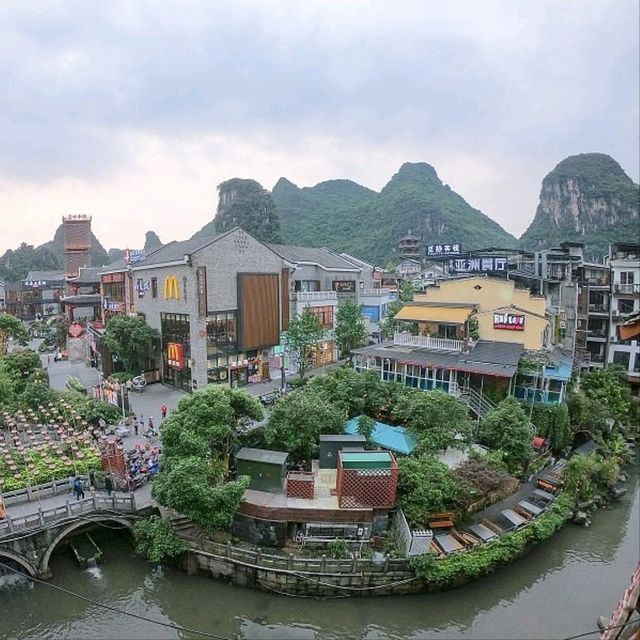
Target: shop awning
420,313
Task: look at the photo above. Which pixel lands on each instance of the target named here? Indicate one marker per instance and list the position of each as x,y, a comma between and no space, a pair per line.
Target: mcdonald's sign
175,355
171,288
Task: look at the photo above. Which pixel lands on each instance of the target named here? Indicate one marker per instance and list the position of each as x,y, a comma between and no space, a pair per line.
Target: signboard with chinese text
344,286
481,264
131,256
141,287
440,250
112,277
201,284
508,321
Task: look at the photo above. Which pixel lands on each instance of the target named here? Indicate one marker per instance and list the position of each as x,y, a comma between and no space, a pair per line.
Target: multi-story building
41,294
82,300
624,261
472,333
320,279
592,327
77,243
220,305
410,246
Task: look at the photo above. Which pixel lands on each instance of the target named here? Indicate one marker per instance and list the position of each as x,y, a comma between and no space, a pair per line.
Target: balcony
537,396
424,342
314,296
372,293
627,289
599,308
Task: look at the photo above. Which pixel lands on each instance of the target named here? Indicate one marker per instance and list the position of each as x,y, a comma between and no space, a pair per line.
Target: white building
624,260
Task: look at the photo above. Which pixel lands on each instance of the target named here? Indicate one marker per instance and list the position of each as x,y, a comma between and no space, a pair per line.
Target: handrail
309,296
425,342
94,504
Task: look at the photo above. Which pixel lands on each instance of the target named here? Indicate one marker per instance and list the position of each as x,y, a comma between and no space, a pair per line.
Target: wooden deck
323,508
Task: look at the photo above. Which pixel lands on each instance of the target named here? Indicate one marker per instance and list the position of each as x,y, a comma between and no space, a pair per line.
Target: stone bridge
30,539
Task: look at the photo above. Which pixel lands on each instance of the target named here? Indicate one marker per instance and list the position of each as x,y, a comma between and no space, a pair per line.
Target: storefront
323,353
176,350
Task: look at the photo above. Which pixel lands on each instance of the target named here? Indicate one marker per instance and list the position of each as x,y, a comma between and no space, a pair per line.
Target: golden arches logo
171,288
175,355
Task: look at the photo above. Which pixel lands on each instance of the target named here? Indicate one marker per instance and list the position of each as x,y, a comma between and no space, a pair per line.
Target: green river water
557,590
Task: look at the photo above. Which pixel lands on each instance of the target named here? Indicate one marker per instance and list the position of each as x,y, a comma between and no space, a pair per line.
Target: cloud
118,108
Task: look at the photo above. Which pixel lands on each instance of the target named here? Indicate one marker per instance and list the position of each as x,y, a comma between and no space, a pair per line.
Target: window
154,287
324,315
222,338
627,277
307,285
621,358
625,306
175,327
449,331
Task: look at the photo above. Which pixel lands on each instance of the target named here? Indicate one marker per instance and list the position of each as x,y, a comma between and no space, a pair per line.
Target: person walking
71,482
163,411
151,431
135,425
108,484
78,489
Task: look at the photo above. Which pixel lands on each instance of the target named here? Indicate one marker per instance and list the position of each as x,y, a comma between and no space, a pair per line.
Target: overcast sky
133,112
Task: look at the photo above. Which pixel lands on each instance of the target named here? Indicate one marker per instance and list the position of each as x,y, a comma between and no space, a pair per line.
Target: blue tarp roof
560,372
389,437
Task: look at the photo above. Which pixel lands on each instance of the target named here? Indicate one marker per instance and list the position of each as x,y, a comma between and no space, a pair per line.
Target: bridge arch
20,559
44,562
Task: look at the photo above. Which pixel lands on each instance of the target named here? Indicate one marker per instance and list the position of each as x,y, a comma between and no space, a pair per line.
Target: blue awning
560,372
387,436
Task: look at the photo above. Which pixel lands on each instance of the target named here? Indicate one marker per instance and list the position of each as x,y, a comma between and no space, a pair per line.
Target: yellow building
496,309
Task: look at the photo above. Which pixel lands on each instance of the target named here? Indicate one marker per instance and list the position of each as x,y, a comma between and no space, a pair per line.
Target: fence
42,517
425,342
29,494
411,543
375,488
324,565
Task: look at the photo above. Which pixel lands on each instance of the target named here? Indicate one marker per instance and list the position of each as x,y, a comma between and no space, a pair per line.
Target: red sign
508,321
113,277
175,355
75,330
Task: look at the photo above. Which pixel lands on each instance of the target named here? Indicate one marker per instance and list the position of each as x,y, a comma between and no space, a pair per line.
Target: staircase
480,405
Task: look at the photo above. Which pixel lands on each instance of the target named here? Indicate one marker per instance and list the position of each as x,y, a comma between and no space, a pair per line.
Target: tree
406,291
206,423
130,339
507,428
156,540
390,325
609,388
11,327
297,420
305,331
425,486
197,440
437,419
351,331
366,426
587,415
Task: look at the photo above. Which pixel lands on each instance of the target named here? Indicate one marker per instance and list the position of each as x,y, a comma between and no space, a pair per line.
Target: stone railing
38,491
70,509
372,293
424,342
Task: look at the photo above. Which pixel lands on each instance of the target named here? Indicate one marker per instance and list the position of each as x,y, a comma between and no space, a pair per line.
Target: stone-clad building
220,304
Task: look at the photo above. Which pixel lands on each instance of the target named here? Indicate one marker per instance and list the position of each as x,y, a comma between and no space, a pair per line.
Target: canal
556,591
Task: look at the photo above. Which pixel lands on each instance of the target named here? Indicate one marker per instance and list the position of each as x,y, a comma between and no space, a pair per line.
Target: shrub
156,540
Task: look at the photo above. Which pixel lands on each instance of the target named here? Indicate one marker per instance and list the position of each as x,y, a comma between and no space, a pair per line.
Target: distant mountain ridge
345,216
586,198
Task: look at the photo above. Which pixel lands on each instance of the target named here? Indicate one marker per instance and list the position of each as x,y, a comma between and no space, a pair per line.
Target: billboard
508,321
131,256
441,250
370,311
175,355
481,264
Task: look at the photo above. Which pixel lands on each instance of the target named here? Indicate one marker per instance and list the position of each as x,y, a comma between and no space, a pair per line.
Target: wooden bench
441,520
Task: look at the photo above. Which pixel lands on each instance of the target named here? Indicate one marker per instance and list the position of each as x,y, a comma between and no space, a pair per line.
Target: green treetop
11,327
303,335
351,331
130,339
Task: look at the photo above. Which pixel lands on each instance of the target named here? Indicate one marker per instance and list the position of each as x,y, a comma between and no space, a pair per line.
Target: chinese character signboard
442,250
344,286
131,256
480,264
141,287
201,283
112,277
509,321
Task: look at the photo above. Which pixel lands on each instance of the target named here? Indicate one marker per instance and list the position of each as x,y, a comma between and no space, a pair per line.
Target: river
556,591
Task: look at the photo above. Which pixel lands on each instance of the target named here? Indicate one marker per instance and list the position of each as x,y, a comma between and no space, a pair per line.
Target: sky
133,112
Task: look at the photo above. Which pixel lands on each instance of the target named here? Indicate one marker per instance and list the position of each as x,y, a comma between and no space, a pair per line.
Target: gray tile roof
487,357
175,251
116,265
45,275
87,274
316,255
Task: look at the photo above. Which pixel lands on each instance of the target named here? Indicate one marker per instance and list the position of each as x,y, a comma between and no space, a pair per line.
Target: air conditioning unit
615,313
563,324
